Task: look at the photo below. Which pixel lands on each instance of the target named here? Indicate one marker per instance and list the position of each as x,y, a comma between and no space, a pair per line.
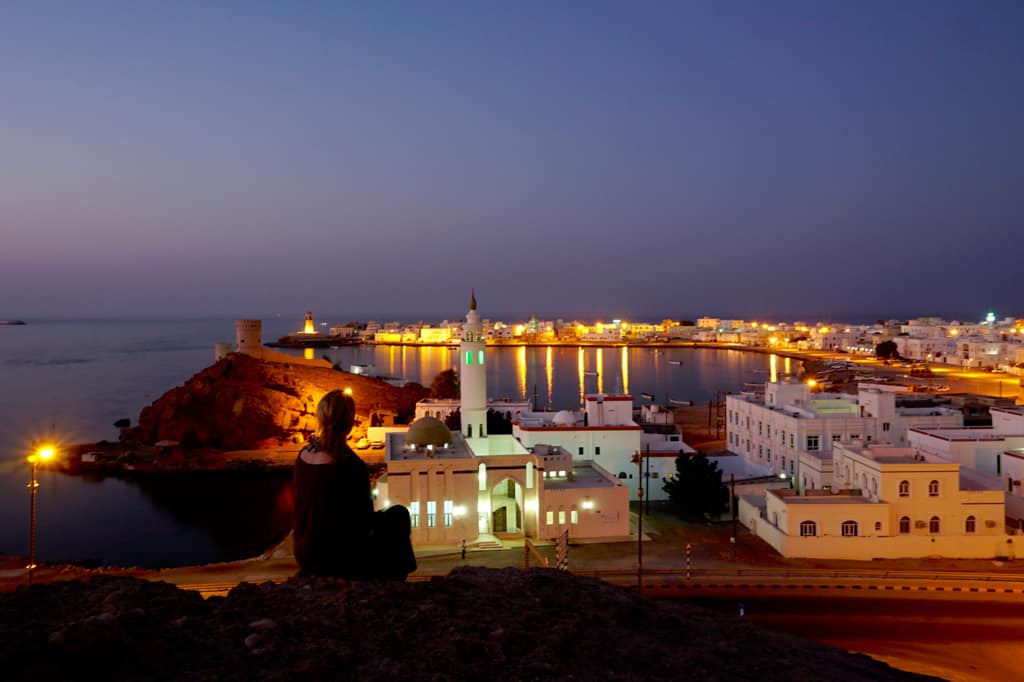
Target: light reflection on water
78,377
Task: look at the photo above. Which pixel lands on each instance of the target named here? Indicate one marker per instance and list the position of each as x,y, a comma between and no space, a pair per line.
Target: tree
887,350
445,385
498,423
454,420
696,489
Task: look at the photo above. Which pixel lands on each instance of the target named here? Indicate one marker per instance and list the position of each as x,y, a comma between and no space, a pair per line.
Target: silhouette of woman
337,533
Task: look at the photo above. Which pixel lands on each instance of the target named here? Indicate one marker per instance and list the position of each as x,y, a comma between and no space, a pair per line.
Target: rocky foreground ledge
474,624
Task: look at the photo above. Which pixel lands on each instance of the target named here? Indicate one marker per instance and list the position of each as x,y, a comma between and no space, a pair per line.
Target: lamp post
42,454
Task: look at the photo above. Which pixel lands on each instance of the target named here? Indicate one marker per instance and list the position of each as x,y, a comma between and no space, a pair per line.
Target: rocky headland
261,411
473,624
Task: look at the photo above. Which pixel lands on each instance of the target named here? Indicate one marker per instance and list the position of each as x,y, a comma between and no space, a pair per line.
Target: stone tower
248,337
473,375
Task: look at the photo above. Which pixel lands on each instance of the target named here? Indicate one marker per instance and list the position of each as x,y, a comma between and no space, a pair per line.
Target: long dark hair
336,413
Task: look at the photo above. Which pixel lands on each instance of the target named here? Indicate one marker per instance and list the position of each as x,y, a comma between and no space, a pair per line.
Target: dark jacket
333,516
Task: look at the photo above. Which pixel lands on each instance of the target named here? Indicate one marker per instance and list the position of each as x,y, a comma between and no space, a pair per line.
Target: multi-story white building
792,430
994,453
903,505
605,432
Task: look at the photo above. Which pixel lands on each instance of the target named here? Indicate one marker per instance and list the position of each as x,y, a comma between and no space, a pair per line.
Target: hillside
474,624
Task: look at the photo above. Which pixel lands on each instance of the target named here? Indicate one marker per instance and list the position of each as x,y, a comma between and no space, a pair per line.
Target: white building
481,488
792,430
605,433
903,505
995,454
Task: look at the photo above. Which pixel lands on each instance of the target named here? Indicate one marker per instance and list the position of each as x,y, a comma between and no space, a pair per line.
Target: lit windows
414,513
431,514
849,529
574,517
480,357
549,517
469,357
449,508
561,517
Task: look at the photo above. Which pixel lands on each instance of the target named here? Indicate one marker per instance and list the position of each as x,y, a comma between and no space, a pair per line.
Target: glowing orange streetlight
811,383
347,391
42,454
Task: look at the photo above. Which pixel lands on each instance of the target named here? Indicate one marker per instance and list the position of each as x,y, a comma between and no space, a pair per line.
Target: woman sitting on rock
337,533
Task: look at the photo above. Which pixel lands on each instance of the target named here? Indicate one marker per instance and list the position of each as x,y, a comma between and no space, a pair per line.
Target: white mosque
480,488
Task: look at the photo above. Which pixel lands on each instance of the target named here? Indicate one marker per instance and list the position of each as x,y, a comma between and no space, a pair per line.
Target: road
954,639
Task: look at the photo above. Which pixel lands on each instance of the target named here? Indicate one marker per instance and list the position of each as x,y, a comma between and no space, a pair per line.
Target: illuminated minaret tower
473,375
310,328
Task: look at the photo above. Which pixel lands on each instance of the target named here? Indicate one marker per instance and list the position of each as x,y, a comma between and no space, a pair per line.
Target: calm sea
75,378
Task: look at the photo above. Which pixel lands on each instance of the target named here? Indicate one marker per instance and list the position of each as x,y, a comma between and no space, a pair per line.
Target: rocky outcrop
241,403
474,624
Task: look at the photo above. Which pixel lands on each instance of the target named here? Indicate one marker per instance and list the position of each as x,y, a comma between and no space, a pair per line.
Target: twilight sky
643,159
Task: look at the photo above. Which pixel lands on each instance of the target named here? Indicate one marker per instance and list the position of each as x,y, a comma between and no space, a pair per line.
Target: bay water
70,380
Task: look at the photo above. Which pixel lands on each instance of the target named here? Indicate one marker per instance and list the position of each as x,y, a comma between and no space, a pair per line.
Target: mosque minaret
473,375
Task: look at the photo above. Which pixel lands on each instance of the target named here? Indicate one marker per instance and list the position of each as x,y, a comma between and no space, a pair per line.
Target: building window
769,431
934,525
791,463
581,451
836,437
970,524
904,525
791,440
597,450
849,529
904,488
782,437
469,357
808,529
854,436
812,443
549,517
480,357
933,489
574,517
561,517
622,474
431,513
760,428
885,426
414,513
449,508
878,526
760,452
783,461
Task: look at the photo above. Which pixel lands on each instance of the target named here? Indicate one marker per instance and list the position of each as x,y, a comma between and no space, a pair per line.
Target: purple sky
820,159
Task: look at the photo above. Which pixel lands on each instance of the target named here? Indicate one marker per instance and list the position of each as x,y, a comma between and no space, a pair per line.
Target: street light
43,454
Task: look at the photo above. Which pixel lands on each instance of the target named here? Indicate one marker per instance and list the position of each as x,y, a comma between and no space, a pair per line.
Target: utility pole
647,479
732,510
640,524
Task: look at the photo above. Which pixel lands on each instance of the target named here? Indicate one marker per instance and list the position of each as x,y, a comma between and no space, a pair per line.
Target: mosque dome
564,418
428,431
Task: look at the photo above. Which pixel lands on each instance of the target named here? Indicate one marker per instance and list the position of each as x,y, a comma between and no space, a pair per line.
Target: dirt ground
474,624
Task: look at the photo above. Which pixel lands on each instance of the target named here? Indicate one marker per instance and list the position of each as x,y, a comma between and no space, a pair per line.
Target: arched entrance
507,508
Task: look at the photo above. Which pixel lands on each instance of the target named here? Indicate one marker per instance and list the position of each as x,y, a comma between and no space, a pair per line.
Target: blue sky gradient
817,159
